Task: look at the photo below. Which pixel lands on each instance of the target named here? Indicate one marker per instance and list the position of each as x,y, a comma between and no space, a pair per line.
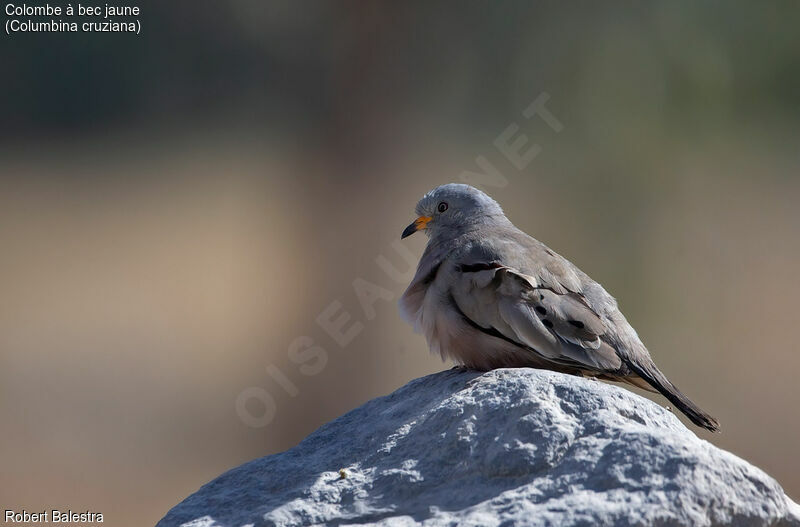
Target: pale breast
452,336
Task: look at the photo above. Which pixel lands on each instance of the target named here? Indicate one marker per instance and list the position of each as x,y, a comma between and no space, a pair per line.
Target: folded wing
558,325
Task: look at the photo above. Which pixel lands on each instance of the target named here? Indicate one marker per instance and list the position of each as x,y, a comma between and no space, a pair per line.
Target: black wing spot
489,331
542,311
577,323
547,323
474,268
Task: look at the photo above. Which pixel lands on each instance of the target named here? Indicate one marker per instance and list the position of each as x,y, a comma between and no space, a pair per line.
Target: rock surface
507,447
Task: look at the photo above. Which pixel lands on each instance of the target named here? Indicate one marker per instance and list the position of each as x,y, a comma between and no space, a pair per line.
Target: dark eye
442,206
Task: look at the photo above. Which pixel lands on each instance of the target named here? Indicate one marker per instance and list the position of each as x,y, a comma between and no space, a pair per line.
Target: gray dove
487,295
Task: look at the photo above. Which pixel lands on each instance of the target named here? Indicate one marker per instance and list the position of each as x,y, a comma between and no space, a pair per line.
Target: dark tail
650,373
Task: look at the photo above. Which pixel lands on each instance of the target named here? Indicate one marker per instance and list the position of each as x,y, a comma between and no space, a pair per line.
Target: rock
507,447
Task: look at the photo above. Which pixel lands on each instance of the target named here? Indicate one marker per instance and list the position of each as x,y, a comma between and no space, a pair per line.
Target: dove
487,295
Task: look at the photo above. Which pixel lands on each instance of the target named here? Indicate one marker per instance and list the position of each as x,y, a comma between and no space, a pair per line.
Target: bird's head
450,209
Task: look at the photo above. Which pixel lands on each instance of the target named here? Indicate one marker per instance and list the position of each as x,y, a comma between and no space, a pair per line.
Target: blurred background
178,207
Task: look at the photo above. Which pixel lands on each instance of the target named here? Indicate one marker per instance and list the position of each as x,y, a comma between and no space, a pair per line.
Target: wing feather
558,324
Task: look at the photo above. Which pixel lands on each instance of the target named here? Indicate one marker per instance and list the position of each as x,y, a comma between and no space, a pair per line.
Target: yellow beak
418,225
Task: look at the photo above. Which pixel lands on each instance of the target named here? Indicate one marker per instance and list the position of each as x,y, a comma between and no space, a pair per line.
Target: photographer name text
52,516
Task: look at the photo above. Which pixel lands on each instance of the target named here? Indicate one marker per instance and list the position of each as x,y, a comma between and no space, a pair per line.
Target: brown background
177,208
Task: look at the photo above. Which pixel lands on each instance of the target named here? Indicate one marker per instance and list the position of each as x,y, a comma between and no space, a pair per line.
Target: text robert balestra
52,516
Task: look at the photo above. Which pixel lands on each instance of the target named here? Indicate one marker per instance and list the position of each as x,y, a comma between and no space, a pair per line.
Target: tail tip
712,425
704,420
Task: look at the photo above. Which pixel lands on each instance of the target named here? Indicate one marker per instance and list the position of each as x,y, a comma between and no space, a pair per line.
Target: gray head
453,208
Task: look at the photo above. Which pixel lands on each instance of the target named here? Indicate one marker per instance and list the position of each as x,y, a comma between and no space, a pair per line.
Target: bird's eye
442,206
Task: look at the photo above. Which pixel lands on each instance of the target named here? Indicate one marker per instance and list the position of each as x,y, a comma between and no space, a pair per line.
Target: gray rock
507,447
